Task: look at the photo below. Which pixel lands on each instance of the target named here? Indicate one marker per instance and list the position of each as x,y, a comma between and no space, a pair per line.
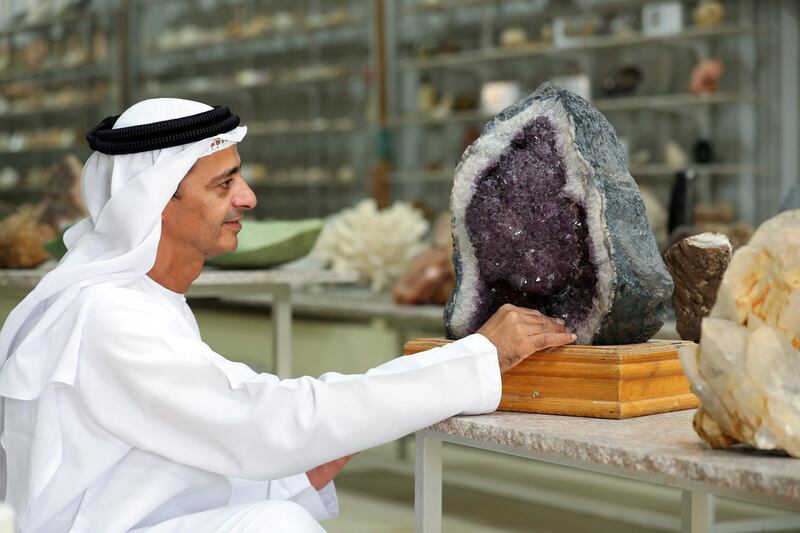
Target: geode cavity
546,216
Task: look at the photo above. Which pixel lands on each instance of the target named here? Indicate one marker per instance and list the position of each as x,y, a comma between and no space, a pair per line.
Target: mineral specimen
697,264
746,369
22,236
546,216
429,279
378,244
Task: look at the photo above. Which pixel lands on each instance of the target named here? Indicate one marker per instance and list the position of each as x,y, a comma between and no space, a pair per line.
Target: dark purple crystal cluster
531,241
588,256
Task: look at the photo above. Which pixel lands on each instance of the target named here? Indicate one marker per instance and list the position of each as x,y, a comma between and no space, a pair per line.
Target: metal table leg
428,484
282,329
697,512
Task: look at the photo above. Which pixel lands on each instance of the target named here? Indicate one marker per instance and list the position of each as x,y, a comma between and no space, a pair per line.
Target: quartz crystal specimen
697,264
546,216
746,370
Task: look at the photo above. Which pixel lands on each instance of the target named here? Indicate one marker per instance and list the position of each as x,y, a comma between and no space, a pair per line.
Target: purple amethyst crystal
546,216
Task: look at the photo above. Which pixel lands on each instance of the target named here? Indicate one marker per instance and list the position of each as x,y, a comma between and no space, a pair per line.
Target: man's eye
227,183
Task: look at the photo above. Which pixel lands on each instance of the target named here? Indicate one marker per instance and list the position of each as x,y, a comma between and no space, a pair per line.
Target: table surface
27,279
657,445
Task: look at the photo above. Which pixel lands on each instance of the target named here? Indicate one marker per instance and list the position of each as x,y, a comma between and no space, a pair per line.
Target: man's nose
244,197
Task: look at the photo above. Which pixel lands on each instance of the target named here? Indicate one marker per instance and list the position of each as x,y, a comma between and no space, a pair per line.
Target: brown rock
429,279
696,264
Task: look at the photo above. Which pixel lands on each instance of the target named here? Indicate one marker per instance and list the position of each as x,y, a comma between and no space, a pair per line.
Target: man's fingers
551,340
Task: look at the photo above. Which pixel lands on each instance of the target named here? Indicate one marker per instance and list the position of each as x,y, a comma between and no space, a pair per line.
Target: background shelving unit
297,72
330,88
454,47
59,73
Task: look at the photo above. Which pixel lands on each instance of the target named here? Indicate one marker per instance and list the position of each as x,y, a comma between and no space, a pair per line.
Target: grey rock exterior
631,284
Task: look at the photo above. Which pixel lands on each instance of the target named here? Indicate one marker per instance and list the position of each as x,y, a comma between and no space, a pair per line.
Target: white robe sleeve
170,394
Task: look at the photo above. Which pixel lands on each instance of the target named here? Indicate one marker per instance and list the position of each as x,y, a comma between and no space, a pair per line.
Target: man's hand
324,474
517,332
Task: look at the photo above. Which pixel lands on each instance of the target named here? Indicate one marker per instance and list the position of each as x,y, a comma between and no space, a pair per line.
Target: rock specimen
378,244
746,370
22,237
697,264
546,216
430,276
429,279
24,234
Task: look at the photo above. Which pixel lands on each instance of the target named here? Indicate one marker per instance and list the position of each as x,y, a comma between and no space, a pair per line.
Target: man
117,417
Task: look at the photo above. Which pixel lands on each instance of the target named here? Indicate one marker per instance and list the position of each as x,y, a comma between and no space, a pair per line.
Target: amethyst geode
546,216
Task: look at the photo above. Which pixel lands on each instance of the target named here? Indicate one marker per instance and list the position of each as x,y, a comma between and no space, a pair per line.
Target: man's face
205,214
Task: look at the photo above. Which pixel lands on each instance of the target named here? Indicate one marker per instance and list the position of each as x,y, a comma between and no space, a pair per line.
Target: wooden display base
595,381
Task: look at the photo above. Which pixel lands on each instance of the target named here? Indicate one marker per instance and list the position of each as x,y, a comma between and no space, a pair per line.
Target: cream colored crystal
746,370
378,244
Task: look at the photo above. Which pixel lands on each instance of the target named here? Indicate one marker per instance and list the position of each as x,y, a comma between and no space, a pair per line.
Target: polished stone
660,445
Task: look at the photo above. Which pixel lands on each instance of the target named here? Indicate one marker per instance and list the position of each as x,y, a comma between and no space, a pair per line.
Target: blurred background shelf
393,90
60,73
675,102
298,74
445,56
585,45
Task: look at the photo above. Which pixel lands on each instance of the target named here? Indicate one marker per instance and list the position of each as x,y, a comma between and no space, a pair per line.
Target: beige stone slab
663,446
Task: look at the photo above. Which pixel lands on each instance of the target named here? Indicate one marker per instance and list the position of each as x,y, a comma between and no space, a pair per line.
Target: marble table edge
715,469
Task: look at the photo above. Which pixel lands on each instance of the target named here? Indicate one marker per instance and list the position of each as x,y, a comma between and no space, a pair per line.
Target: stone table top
25,280
664,446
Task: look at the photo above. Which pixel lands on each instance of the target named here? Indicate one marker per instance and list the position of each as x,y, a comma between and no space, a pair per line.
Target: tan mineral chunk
746,370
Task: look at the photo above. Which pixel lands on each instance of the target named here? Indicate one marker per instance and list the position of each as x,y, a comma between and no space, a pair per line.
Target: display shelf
66,77
710,169
672,102
237,47
559,9
54,150
298,185
443,54
263,129
654,102
281,81
21,191
458,59
44,25
62,74
49,111
232,87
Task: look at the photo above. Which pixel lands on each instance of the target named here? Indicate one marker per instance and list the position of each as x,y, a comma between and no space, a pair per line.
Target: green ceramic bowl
269,244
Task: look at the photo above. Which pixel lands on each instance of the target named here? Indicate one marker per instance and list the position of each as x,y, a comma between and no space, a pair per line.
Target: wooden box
595,381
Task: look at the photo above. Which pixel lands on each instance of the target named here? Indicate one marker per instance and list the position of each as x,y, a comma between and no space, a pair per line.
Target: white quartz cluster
746,369
378,244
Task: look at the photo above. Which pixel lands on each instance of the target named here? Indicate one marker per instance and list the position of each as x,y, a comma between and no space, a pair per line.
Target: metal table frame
697,512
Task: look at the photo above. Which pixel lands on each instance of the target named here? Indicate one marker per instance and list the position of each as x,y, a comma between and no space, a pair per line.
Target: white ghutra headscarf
40,340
